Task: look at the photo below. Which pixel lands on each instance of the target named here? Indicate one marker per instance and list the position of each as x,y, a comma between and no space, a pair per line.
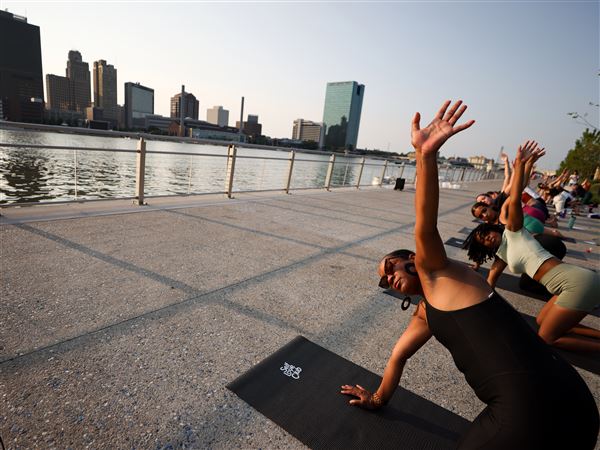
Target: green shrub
595,190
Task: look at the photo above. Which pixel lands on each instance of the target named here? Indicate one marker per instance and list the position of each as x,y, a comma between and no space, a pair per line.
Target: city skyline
520,67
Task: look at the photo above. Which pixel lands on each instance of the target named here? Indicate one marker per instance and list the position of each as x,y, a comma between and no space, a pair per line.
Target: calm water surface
34,175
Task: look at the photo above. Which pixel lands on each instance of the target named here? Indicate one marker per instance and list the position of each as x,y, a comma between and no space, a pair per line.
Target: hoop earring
405,303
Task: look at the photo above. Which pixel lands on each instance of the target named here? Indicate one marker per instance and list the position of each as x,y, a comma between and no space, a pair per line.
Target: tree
582,118
585,156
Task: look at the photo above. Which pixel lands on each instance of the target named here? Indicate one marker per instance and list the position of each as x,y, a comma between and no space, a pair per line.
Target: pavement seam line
189,300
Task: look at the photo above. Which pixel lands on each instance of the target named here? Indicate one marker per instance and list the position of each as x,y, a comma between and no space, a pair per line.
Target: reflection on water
34,175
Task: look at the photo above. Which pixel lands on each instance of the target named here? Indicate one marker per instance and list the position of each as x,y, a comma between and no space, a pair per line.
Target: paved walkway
120,326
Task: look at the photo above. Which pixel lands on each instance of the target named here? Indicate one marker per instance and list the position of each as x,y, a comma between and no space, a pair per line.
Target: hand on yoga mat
365,399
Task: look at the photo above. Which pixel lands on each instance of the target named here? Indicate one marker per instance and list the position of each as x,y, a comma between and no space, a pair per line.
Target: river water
36,175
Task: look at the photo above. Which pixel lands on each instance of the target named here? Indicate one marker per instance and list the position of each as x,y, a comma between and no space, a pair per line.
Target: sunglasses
383,282
389,267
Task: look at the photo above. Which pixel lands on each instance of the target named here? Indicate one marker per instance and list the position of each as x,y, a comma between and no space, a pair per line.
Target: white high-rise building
218,116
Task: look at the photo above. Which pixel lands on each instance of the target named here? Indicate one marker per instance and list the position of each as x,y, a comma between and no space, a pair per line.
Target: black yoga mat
567,239
298,388
455,242
585,361
465,230
576,254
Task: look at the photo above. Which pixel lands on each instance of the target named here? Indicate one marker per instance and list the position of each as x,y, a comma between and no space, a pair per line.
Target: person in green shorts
575,289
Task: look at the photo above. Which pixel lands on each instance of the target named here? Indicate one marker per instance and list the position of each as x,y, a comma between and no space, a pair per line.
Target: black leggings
535,412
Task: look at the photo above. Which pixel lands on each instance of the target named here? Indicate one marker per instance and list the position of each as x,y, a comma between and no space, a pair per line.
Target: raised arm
530,165
514,221
431,255
507,175
560,179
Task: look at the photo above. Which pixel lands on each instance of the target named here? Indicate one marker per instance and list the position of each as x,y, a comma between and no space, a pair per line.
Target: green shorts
577,288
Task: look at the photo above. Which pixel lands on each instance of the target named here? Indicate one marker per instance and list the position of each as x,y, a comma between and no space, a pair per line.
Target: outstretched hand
537,154
429,139
365,398
529,152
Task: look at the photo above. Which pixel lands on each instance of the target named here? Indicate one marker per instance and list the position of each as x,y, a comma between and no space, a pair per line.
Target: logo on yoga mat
291,371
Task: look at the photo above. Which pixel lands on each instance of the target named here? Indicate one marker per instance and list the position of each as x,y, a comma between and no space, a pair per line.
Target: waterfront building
139,103
121,116
341,115
306,130
105,90
195,128
191,106
217,116
94,113
208,130
78,73
67,116
251,127
70,94
458,161
481,162
58,93
21,82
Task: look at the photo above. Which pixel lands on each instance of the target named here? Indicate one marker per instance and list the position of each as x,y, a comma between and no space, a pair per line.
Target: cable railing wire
338,173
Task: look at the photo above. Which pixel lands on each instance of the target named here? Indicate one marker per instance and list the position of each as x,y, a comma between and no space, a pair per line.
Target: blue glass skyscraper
341,117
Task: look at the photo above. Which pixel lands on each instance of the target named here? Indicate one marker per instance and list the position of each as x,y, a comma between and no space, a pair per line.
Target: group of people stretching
534,399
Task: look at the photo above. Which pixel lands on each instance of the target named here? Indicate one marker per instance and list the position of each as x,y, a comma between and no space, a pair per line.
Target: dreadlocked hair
477,252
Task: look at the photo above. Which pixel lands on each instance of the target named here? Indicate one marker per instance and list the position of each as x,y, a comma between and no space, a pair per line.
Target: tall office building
190,106
70,93
306,130
341,116
139,103
105,89
58,93
218,116
78,73
21,83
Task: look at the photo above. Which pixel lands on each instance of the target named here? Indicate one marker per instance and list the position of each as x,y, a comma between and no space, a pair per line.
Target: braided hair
477,252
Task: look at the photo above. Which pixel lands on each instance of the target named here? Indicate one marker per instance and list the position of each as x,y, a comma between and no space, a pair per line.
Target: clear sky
520,66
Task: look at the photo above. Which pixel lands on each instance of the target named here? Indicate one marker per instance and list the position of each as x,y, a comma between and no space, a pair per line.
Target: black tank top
490,339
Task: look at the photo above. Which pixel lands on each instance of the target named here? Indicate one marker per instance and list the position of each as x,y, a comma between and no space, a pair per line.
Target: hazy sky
520,66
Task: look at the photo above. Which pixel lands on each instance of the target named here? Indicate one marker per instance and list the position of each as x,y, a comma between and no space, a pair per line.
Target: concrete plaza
121,325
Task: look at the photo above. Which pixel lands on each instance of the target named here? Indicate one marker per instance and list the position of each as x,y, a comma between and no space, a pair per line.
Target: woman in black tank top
535,400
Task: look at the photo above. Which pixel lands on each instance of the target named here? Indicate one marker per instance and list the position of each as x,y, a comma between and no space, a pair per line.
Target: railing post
401,170
291,168
75,163
190,174
329,172
462,175
140,171
383,173
360,171
231,153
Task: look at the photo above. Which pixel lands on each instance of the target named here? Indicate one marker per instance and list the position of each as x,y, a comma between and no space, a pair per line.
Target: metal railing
390,170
